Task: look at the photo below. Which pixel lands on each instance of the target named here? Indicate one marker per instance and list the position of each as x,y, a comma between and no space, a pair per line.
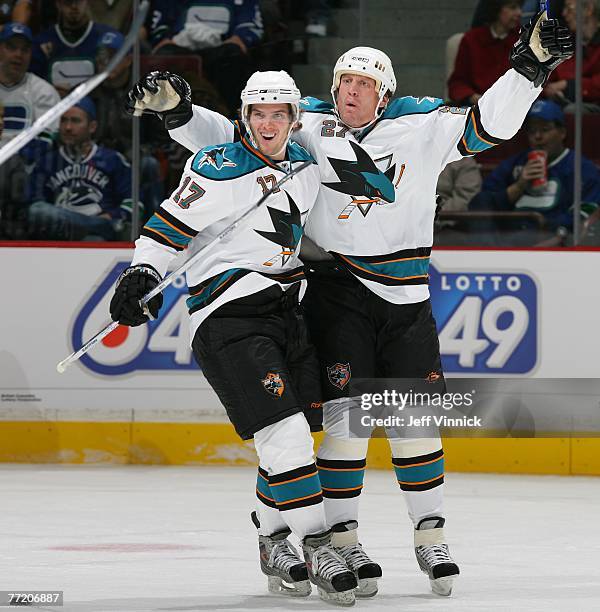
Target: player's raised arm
543,44
169,97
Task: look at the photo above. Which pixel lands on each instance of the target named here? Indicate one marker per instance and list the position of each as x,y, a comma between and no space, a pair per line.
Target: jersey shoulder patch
225,162
298,153
409,105
314,105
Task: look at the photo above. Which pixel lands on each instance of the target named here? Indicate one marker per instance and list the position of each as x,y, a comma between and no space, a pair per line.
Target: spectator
318,14
13,181
24,95
64,54
114,13
80,190
510,188
114,126
21,11
529,9
561,87
483,52
37,14
221,35
458,183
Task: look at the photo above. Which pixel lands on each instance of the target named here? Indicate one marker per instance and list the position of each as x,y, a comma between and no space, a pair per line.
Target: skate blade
293,589
442,586
343,598
367,587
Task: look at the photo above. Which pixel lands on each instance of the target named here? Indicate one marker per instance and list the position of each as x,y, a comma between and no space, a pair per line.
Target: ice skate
327,569
433,555
344,539
286,572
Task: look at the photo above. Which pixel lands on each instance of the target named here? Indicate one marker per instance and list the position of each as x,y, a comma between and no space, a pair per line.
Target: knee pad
404,448
285,445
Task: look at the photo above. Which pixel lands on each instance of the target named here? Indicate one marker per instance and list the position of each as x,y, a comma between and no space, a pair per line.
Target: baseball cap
546,110
15,29
87,104
112,40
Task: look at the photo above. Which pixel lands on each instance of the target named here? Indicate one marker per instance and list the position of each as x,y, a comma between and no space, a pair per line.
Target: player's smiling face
270,125
357,100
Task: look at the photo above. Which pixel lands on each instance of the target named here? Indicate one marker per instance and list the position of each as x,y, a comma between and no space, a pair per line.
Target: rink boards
140,398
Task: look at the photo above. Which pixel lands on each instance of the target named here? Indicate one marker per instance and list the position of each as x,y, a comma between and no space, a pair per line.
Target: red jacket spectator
561,86
590,73
481,59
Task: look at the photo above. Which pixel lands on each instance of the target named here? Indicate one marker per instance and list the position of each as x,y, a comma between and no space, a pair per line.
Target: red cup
539,154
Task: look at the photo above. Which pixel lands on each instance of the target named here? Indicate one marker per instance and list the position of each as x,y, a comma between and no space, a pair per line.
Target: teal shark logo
288,230
363,181
217,159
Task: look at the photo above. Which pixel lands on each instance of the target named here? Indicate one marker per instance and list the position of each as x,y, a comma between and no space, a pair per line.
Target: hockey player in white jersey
247,334
367,304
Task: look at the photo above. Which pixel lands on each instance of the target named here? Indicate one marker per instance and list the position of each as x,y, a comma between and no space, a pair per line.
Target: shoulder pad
408,105
314,105
225,162
298,153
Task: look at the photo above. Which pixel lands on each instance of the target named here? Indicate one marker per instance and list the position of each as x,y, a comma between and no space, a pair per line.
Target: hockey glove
543,44
163,94
133,284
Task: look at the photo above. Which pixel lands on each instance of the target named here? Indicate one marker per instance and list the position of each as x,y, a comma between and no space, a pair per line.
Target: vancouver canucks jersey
376,203
24,103
92,185
66,64
218,185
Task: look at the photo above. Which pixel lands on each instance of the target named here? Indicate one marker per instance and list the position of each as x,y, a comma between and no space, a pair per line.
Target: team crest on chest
288,231
339,374
363,181
273,384
217,159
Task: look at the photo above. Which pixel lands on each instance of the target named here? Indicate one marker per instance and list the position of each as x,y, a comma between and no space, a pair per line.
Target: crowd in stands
73,182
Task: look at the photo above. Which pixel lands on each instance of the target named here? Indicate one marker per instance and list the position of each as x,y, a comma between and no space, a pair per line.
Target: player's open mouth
268,136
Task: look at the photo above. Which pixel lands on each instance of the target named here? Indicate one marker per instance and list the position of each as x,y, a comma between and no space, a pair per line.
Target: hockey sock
299,499
341,465
269,517
420,476
285,451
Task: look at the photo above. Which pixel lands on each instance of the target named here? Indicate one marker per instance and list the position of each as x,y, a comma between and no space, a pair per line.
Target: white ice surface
175,538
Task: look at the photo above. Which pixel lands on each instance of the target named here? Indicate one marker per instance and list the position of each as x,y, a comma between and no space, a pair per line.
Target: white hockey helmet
270,87
369,62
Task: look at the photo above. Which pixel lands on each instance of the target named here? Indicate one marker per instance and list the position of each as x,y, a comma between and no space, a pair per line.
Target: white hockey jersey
24,103
376,204
217,186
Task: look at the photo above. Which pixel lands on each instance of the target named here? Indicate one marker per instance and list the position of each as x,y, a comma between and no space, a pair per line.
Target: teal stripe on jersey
397,269
474,142
338,479
205,294
297,488
420,473
171,233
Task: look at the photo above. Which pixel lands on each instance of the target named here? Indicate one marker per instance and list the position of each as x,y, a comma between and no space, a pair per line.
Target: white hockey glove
163,94
543,44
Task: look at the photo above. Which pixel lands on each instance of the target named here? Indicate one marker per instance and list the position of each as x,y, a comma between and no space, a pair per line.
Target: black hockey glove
163,94
133,284
543,44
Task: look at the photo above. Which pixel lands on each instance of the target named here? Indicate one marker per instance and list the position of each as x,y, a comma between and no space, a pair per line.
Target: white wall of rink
500,313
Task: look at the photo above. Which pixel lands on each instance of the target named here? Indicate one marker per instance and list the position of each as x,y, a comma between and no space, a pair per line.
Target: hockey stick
83,89
62,366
